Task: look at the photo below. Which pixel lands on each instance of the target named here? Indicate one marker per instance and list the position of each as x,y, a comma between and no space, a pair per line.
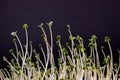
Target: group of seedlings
73,62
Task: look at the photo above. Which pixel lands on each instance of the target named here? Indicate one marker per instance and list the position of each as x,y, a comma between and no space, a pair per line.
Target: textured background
86,17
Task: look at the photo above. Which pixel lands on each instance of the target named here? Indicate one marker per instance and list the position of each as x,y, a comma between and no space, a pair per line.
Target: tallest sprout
50,24
25,26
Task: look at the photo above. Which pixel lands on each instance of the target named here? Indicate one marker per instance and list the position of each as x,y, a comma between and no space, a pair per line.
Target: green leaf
66,44
32,64
37,56
65,51
28,59
107,39
115,65
50,23
25,26
71,38
94,37
78,38
48,71
68,27
4,58
34,50
13,33
58,37
14,40
11,51
41,25
91,44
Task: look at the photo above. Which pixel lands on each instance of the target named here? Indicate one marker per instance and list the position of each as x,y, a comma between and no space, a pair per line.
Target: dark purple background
86,17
